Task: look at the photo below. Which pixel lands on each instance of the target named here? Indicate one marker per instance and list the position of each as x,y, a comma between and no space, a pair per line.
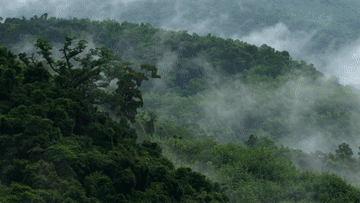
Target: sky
185,15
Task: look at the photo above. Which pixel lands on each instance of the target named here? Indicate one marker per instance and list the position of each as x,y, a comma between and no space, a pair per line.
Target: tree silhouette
150,129
126,98
252,141
344,148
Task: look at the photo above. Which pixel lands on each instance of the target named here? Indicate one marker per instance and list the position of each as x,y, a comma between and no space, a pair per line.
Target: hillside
210,106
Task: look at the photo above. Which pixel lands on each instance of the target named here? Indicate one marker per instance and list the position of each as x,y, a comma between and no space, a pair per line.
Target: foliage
56,146
331,188
344,151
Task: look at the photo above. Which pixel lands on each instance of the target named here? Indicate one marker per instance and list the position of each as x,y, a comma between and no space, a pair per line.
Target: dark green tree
127,97
150,129
44,16
10,71
34,18
345,149
252,141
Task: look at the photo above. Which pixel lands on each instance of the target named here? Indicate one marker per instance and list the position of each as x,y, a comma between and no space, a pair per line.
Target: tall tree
345,149
127,97
44,16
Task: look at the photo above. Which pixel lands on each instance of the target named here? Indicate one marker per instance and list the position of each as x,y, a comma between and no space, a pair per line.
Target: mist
229,106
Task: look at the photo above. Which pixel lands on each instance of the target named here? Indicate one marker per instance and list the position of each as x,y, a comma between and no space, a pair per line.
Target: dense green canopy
57,146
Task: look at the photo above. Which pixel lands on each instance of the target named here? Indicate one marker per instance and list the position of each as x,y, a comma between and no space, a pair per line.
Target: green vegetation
57,146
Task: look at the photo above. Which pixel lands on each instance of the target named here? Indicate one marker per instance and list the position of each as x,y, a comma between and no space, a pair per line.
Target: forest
105,128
